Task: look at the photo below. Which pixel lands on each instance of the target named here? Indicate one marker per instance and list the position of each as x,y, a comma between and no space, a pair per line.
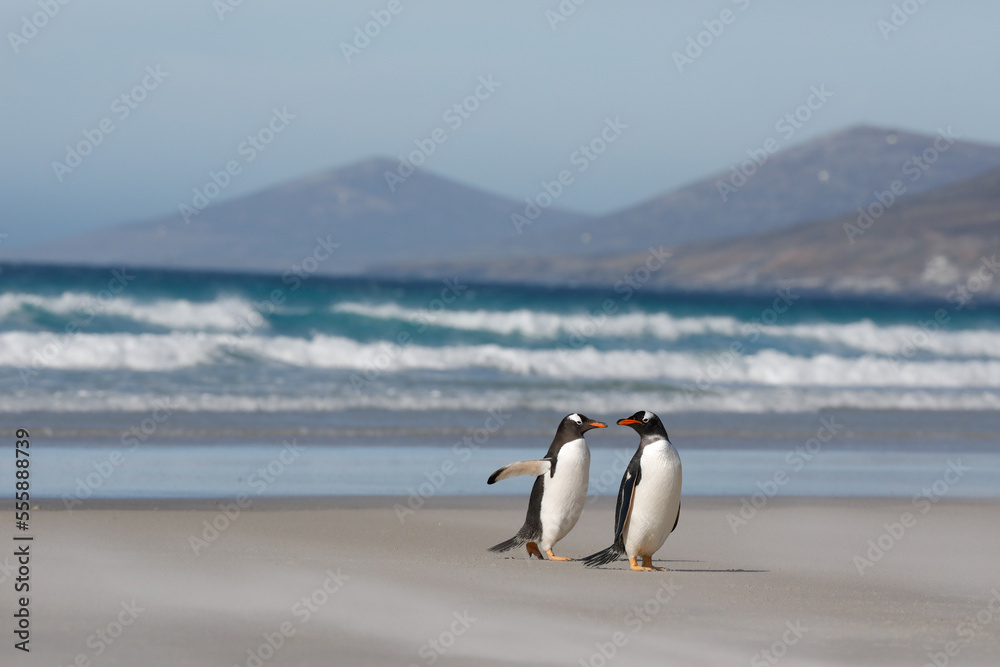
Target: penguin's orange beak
598,424
628,422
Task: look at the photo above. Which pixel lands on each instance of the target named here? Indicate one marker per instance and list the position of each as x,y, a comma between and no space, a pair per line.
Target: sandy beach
346,582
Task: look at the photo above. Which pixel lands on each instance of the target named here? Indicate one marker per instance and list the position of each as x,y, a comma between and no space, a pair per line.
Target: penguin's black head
645,423
580,423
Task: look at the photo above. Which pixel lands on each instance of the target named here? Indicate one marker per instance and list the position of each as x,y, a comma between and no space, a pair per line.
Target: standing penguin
560,489
649,500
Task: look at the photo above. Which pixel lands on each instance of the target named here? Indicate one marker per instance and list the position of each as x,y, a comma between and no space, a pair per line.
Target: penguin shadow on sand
665,564
649,499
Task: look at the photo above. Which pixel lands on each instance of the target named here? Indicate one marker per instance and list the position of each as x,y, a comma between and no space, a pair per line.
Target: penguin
560,489
649,500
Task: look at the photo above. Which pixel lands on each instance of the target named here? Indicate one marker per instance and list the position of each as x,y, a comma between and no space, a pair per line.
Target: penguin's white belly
656,502
565,492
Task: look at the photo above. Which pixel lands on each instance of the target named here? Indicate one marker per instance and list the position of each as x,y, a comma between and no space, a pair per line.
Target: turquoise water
197,378
70,342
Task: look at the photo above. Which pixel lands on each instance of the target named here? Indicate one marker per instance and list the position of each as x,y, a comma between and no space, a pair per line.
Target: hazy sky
219,80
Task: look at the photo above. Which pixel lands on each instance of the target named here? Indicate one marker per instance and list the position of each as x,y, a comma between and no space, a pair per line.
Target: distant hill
926,245
820,178
426,216
723,236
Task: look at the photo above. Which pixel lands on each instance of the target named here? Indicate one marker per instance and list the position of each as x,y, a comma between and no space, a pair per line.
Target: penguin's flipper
533,468
622,510
625,494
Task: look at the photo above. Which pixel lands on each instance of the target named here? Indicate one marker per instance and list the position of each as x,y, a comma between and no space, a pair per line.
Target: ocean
199,381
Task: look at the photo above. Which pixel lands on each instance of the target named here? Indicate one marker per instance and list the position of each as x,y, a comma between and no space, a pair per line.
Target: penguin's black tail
512,543
609,555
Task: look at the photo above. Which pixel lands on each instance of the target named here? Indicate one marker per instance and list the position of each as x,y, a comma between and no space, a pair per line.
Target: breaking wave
220,314
747,401
860,336
768,367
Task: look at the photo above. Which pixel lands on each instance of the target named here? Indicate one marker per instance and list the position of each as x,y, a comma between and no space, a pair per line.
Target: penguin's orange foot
633,564
552,556
533,551
647,563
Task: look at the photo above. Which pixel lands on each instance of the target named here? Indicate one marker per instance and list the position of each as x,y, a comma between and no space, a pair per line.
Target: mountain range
942,244
863,210
825,177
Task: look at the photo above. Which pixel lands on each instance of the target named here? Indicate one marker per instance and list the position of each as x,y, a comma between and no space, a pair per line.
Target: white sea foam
897,340
862,336
139,352
745,401
548,325
221,314
152,352
231,314
767,367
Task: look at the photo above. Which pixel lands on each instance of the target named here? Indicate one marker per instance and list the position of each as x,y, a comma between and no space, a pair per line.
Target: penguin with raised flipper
560,490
